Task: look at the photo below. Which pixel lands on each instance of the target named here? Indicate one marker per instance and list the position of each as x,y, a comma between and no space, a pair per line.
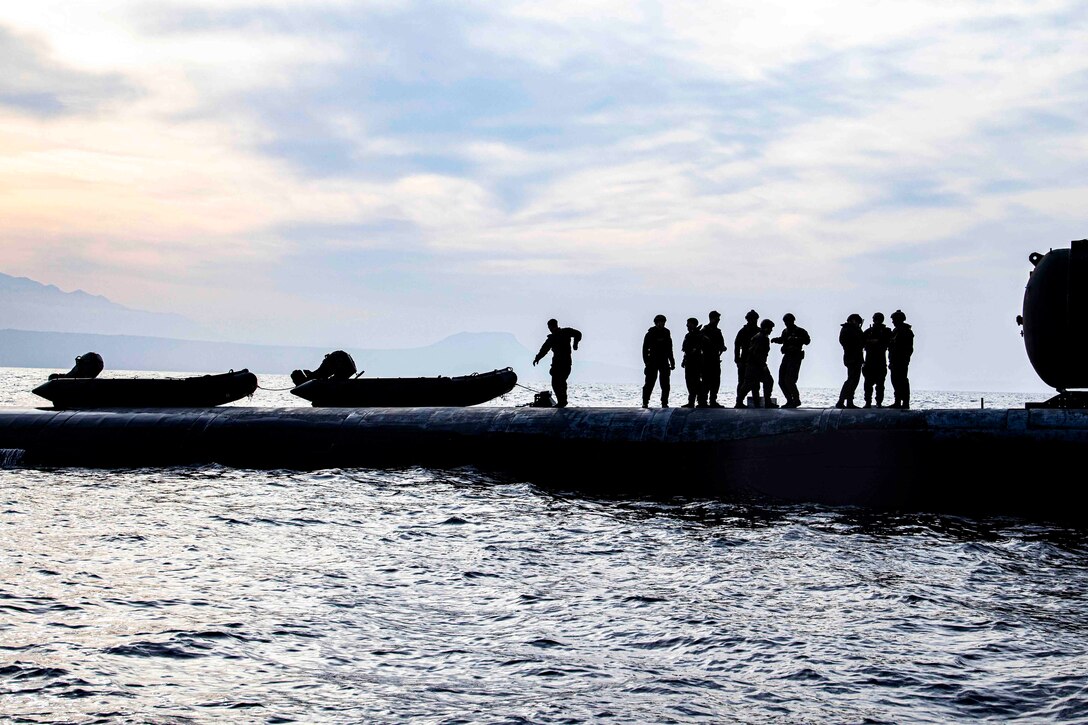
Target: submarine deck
1020,462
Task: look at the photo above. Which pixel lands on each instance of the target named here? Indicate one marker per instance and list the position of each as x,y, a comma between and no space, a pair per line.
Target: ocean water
212,594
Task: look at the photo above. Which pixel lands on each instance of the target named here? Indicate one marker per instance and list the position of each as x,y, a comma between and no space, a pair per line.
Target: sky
383,174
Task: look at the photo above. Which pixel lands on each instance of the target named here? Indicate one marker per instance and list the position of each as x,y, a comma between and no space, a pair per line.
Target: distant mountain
29,305
460,354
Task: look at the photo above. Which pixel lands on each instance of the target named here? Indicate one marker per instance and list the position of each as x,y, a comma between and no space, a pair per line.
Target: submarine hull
1013,462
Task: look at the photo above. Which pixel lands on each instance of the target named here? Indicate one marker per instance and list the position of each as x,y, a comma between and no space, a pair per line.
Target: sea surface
212,594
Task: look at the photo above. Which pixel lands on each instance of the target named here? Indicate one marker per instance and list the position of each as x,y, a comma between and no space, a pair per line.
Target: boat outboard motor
88,365
1054,319
337,365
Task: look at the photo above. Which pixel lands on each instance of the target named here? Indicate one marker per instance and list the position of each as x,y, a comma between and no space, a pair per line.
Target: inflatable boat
408,392
195,392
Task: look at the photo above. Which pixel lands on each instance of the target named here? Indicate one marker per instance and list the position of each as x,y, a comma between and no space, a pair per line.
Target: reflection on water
216,594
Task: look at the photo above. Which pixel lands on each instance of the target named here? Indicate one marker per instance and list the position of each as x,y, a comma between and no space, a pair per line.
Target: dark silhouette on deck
88,365
657,355
712,358
900,350
878,337
740,350
337,365
852,339
559,342
756,372
694,349
793,339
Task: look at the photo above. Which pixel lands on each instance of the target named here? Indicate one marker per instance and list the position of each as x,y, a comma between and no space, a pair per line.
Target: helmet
788,317
766,325
856,318
878,317
752,316
898,315
659,318
714,315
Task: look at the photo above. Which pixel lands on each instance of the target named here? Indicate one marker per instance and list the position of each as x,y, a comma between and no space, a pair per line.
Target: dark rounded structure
1055,312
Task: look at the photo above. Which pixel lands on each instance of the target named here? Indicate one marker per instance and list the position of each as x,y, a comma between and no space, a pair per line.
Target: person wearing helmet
694,362
740,349
756,371
792,340
875,369
852,339
900,348
712,358
658,359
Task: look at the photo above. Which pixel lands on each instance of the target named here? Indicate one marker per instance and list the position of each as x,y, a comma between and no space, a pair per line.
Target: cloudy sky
382,174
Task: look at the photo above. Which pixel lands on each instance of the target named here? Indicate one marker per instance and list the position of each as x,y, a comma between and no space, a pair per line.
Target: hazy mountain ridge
26,304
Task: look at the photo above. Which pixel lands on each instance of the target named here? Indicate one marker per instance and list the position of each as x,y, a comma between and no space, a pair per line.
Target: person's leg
648,387
852,381
691,379
713,382
879,379
905,399
768,387
897,385
560,373
666,385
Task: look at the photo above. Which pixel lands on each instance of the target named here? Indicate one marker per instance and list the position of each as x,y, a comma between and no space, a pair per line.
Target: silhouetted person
559,342
793,339
875,370
852,339
900,349
740,349
657,356
712,358
337,365
694,362
88,365
756,371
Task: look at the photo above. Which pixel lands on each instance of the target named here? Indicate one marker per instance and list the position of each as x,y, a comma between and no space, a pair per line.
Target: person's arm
575,337
737,345
646,349
803,334
543,350
672,360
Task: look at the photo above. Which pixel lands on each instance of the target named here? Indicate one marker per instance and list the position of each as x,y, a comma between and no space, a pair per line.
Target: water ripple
215,594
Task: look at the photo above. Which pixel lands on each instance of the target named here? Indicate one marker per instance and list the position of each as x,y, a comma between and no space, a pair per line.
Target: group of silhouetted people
868,353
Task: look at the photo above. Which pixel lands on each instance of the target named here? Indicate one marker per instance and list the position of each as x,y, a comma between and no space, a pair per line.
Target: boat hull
458,392
196,392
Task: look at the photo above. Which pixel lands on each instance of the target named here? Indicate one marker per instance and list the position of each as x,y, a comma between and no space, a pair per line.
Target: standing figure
694,349
560,341
712,358
899,351
756,371
793,339
657,356
875,369
852,339
740,350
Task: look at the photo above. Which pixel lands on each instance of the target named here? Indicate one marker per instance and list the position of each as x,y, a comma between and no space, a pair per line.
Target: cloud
759,149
